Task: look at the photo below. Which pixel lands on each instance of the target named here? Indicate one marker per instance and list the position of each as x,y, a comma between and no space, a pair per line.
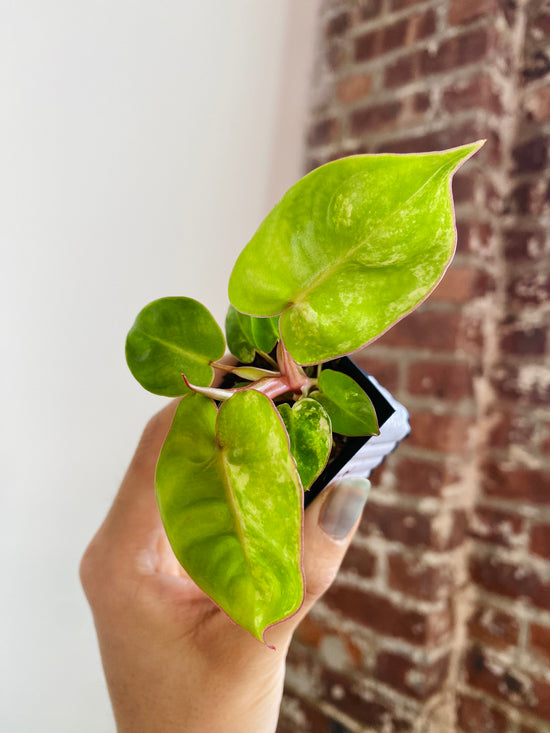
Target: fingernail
344,506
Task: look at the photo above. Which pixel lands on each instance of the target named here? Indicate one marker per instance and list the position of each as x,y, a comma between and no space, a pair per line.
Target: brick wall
440,617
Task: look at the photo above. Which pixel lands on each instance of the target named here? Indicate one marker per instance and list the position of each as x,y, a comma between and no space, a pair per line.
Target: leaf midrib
335,264
196,357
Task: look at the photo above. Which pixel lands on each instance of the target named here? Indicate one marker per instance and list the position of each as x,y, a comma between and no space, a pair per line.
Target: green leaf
308,427
171,337
246,334
231,502
350,410
265,332
351,249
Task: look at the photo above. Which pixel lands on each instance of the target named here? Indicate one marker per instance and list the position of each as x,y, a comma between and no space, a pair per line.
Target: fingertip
343,506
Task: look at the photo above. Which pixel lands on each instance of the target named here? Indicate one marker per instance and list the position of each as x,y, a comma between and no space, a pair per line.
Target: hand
173,661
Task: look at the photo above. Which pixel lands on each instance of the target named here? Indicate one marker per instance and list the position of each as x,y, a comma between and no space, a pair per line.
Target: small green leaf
308,427
247,334
265,332
350,249
171,337
231,502
238,330
349,407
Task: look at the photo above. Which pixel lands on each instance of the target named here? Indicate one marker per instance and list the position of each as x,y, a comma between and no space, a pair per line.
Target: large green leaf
231,503
171,337
350,249
246,335
308,427
350,409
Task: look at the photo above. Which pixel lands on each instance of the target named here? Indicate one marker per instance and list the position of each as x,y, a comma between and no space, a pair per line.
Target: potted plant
349,250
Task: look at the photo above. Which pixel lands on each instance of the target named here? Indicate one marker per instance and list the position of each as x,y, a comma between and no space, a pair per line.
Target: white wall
141,144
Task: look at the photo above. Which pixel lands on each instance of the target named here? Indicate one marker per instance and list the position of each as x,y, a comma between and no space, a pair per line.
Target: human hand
173,661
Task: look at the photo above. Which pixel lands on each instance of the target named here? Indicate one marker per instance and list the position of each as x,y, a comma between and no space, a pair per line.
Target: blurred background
140,146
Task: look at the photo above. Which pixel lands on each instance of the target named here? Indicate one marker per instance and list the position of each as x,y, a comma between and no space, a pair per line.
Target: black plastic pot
384,410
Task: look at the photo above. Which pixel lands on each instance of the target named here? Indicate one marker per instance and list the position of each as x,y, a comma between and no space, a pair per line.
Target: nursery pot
358,456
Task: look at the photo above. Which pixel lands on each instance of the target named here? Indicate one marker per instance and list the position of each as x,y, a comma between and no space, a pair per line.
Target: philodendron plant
349,250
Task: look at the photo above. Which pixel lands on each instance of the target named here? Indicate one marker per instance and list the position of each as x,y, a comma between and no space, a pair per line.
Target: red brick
448,137
402,4
513,686
537,104
462,12
353,88
540,641
367,9
425,329
414,578
421,102
338,25
422,478
395,35
398,525
419,681
444,380
525,341
508,580
458,51
402,71
540,539
420,26
463,190
530,198
545,439
339,691
493,626
526,382
532,156
519,484
475,93
497,527
369,119
368,46
414,529
444,433
530,288
384,370
478,716
507,429
524,244
379,613
542,23
323,132
360,561
461,284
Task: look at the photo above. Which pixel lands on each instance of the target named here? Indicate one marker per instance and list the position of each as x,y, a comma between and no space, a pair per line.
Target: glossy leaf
350,409
231,502
310,434
171,337
350,249
246,335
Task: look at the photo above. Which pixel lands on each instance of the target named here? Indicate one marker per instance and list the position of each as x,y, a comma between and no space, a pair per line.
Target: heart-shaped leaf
350,409
171,337
231,502
308,427
350,249
246,334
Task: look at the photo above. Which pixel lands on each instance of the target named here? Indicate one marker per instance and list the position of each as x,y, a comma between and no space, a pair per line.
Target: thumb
329,525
